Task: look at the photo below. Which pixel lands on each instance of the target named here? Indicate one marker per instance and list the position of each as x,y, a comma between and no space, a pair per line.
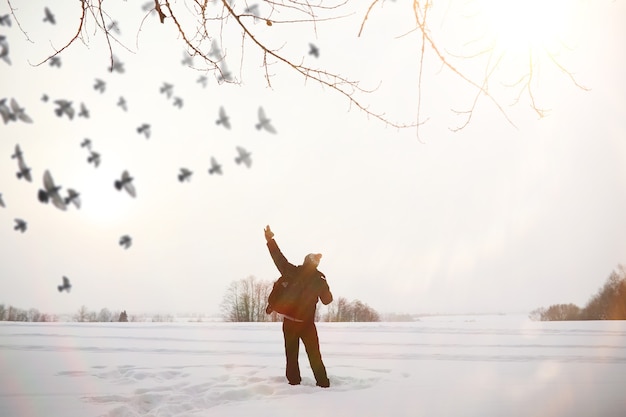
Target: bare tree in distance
475,58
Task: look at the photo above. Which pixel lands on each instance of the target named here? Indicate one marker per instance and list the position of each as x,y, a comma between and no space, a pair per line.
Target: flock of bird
50,192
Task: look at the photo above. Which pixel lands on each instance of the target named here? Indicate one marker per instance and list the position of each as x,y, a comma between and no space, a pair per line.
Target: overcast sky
492,218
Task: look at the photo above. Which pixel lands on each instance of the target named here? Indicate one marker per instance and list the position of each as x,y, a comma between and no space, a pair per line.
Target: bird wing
24,170
268,126
262,117
48,183
53,192
130,188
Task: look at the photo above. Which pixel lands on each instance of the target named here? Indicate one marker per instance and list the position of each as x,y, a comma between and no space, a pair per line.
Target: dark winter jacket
315,285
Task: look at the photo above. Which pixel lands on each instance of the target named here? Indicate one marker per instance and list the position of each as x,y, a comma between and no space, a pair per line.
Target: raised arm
284,266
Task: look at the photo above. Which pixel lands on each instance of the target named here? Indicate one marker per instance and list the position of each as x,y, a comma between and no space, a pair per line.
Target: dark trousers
293,331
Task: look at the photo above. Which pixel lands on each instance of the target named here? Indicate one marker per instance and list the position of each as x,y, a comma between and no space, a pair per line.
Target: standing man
299,322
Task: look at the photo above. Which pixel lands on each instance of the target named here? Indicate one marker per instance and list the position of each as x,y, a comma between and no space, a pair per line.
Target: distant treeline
609,303
83,314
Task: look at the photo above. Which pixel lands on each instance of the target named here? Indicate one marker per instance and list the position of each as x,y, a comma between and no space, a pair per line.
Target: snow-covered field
439,366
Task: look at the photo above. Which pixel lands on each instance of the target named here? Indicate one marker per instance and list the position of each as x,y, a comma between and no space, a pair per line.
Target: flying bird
95,158
49,17
215,167
20,225
314,50
122,103
114,27
5,111
118,66
86,143
5,20
264,122
166,89
253,10
51,192
72,197
2,201
125,241
55,61
243,157
65,107
84,112
4,50
178,102
66,285
224,73
202,80
126,182
224,120
19,112
145,129
44,98
215,50
99,85
24,171
185,175
187,59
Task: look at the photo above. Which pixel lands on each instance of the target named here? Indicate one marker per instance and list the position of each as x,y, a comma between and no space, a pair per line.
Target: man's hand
269,235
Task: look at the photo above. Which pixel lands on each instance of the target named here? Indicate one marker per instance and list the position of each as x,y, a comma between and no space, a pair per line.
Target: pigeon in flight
84,112
55,61
95,158
51,192
65,107
202,80
49,17
224,73
253,10
185,175
66,285
114,27
314,50
126,182
145,129
5,20
19,113
243,157
125,241
224,120
5,111
215,167
45,98
215,51
167,90
86,143
4,50
24,171
99,85
2,201
72,197
118,66
187,59
20,225
178,102
122,103
264,122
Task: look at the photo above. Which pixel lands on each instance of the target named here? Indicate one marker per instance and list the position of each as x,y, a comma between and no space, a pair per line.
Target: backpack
286,296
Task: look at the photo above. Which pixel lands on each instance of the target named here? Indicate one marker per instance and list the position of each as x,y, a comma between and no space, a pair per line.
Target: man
299,323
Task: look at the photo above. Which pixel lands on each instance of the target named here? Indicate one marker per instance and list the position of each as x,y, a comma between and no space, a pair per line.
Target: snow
503,365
